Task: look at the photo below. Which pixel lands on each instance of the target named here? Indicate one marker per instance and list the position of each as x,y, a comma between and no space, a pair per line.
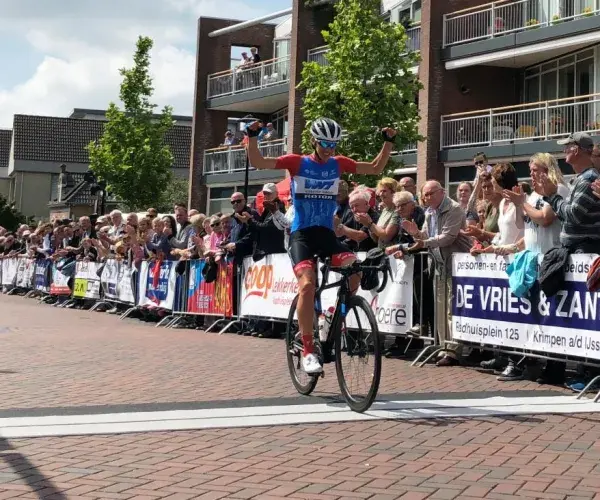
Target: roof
5,139
64,140
82,112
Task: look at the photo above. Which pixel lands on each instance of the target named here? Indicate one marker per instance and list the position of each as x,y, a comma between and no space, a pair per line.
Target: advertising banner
486,312
125,290
25,273
157,284
110,278
269,287
60,282
43,270
9,271
116,281
87,282
214,298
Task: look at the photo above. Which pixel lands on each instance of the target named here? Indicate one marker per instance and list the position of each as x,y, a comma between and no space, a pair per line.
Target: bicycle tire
290,336
364,404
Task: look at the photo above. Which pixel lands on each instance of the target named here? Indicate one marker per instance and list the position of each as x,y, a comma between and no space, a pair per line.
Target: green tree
176,191
367,84
131,156
9,217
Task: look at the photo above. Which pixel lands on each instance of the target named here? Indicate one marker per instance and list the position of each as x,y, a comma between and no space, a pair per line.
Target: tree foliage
367,84
176,191
10,218
131,156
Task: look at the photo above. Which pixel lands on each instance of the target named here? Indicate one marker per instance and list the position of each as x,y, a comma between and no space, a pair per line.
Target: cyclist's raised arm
376,166
255,158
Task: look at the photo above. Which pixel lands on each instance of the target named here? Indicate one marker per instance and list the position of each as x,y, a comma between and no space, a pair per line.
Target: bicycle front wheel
303,382
358,355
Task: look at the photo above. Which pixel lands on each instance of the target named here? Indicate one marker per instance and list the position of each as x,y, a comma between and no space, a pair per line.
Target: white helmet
326,129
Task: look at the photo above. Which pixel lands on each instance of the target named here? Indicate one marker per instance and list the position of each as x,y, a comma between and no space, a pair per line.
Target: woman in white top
542,227
510,216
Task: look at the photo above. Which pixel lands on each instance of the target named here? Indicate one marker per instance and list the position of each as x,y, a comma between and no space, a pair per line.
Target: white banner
157,284
87,281
110,278
25,273
269,287
485,311
125,291
116,282
9,271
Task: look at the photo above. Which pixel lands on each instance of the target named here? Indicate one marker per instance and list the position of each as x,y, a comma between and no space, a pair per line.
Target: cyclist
314,188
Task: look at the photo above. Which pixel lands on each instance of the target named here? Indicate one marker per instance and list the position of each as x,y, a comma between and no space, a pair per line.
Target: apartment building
266,91
506,78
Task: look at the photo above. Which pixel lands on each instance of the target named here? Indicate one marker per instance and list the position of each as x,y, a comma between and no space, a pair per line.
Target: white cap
270,187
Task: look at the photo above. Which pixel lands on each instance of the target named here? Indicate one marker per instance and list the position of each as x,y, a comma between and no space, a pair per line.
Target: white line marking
117,423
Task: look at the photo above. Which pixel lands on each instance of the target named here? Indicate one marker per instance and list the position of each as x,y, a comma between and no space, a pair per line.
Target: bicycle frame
343,294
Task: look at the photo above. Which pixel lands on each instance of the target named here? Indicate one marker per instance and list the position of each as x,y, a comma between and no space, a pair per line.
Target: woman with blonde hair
542,227
386,229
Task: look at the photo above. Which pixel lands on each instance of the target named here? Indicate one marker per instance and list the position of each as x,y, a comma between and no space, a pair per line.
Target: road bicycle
353,334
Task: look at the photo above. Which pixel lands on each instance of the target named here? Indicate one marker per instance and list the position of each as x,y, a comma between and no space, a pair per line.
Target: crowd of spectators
493,214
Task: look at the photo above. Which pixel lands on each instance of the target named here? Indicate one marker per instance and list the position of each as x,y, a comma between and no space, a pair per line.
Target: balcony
319,54
263,75
501,18
227,160
523,123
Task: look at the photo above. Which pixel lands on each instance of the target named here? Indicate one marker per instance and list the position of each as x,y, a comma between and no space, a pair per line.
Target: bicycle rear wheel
358,355
303,382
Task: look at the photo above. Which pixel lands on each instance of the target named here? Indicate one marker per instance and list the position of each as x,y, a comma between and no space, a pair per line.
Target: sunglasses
478,163
328,144
215,224
235,202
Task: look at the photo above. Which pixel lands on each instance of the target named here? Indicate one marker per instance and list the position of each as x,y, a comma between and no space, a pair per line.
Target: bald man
442,236
408,184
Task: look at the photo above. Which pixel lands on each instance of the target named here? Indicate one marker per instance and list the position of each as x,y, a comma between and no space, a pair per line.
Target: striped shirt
579,214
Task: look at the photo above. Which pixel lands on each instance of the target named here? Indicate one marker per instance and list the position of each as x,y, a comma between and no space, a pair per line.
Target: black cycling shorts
316,240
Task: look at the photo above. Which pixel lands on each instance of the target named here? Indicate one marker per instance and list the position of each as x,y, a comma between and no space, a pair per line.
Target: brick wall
307,24
213,55
440,92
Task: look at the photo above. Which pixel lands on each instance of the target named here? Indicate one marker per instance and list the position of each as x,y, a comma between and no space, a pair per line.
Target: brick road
67,357
61,358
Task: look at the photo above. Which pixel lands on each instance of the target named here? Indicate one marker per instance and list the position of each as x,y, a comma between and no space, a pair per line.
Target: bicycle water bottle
325,324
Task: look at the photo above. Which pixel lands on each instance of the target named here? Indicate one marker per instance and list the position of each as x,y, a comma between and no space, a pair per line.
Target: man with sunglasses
314,184
240,242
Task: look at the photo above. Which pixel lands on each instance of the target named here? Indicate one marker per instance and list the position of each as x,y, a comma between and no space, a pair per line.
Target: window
281,48
279,119
568,76
54,179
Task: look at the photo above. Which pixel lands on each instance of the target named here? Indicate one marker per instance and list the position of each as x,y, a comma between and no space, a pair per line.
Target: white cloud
82,45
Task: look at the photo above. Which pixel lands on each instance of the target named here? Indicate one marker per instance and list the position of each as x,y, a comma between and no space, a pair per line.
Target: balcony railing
546,120
507,16
414,38
246,78
226,160
319,54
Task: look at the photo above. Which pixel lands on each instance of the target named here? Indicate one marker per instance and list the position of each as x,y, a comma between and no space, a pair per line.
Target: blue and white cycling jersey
314,188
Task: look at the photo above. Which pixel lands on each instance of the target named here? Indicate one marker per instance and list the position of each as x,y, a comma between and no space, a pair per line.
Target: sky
57,55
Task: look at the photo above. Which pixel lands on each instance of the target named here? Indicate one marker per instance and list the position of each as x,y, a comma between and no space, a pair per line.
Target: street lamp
245,121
